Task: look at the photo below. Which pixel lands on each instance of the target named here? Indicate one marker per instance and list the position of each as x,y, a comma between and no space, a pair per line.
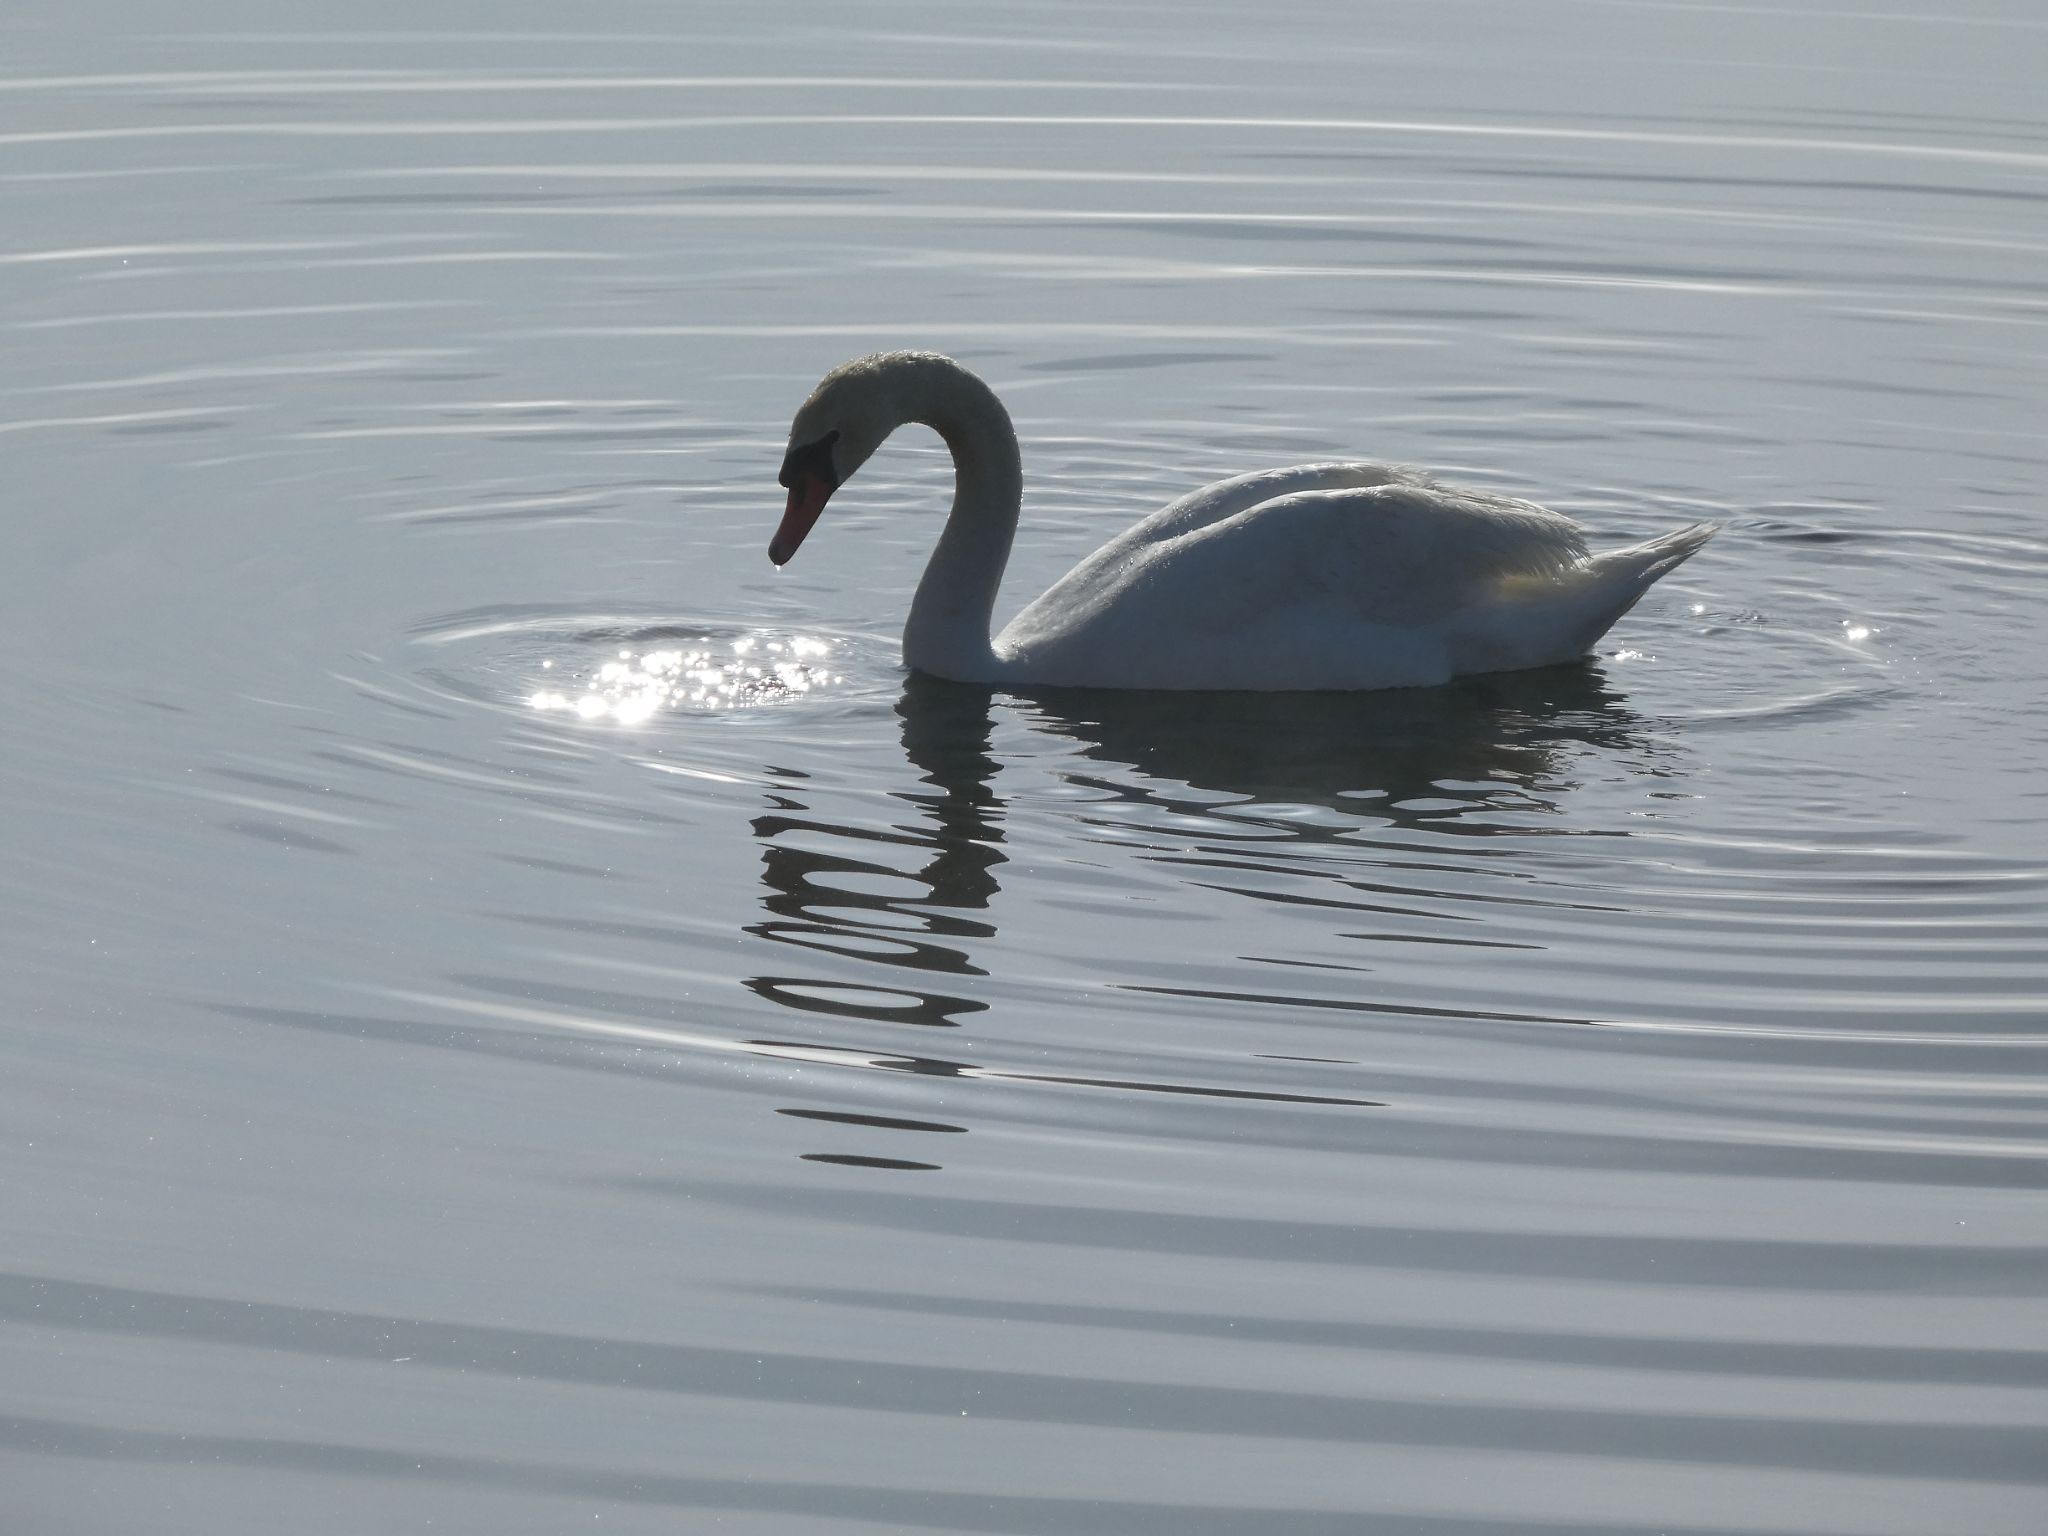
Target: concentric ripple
523,1017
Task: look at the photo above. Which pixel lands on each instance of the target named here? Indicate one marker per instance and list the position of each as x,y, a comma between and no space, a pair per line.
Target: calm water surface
520,1018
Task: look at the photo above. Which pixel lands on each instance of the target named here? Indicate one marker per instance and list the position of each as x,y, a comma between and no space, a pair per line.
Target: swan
1322,576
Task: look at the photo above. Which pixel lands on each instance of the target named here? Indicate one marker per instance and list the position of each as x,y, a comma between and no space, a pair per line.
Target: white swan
1337,576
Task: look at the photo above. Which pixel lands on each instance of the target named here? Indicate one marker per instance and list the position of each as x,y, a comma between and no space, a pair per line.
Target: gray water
520,1018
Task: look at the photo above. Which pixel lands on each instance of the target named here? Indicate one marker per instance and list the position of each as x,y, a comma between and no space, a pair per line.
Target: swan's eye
812,461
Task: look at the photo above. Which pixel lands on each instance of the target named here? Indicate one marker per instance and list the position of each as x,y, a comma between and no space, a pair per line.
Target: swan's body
1337,576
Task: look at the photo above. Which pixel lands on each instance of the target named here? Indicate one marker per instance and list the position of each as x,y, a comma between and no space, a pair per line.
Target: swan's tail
1643,564
1616,578
1555,620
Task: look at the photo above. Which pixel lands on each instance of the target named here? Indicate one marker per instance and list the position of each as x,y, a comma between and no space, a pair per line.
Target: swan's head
835,432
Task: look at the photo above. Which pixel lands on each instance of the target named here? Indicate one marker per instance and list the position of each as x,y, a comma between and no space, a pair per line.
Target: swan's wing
1106,569
1398,552
1401,554
1296,579
1424,550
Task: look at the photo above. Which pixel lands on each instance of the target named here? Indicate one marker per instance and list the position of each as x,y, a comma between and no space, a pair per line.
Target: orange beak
807,498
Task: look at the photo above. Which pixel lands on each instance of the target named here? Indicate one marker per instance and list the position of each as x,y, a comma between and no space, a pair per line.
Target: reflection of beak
807,498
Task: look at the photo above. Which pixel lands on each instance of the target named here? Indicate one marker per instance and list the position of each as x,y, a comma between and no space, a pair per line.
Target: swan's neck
947,633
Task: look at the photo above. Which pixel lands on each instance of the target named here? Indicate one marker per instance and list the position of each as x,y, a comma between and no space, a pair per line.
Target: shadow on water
918,896
1404,755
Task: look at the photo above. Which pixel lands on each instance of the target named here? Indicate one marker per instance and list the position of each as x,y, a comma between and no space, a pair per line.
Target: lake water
521,1018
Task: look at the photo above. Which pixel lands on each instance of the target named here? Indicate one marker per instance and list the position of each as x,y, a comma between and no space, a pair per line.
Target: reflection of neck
907,938
946,731
947,633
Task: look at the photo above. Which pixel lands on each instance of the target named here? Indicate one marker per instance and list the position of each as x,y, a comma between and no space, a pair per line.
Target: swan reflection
912,904
1407,756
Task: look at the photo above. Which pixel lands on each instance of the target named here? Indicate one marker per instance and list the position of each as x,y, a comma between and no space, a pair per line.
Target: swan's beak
812,476
807,497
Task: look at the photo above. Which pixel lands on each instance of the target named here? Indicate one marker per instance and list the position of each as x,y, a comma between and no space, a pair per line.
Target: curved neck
947,633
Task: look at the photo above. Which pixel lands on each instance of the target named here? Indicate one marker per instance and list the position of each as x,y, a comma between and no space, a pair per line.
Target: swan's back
1221,499
1325,576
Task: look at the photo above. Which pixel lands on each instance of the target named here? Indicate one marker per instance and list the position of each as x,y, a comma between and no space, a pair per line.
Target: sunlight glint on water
630,688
